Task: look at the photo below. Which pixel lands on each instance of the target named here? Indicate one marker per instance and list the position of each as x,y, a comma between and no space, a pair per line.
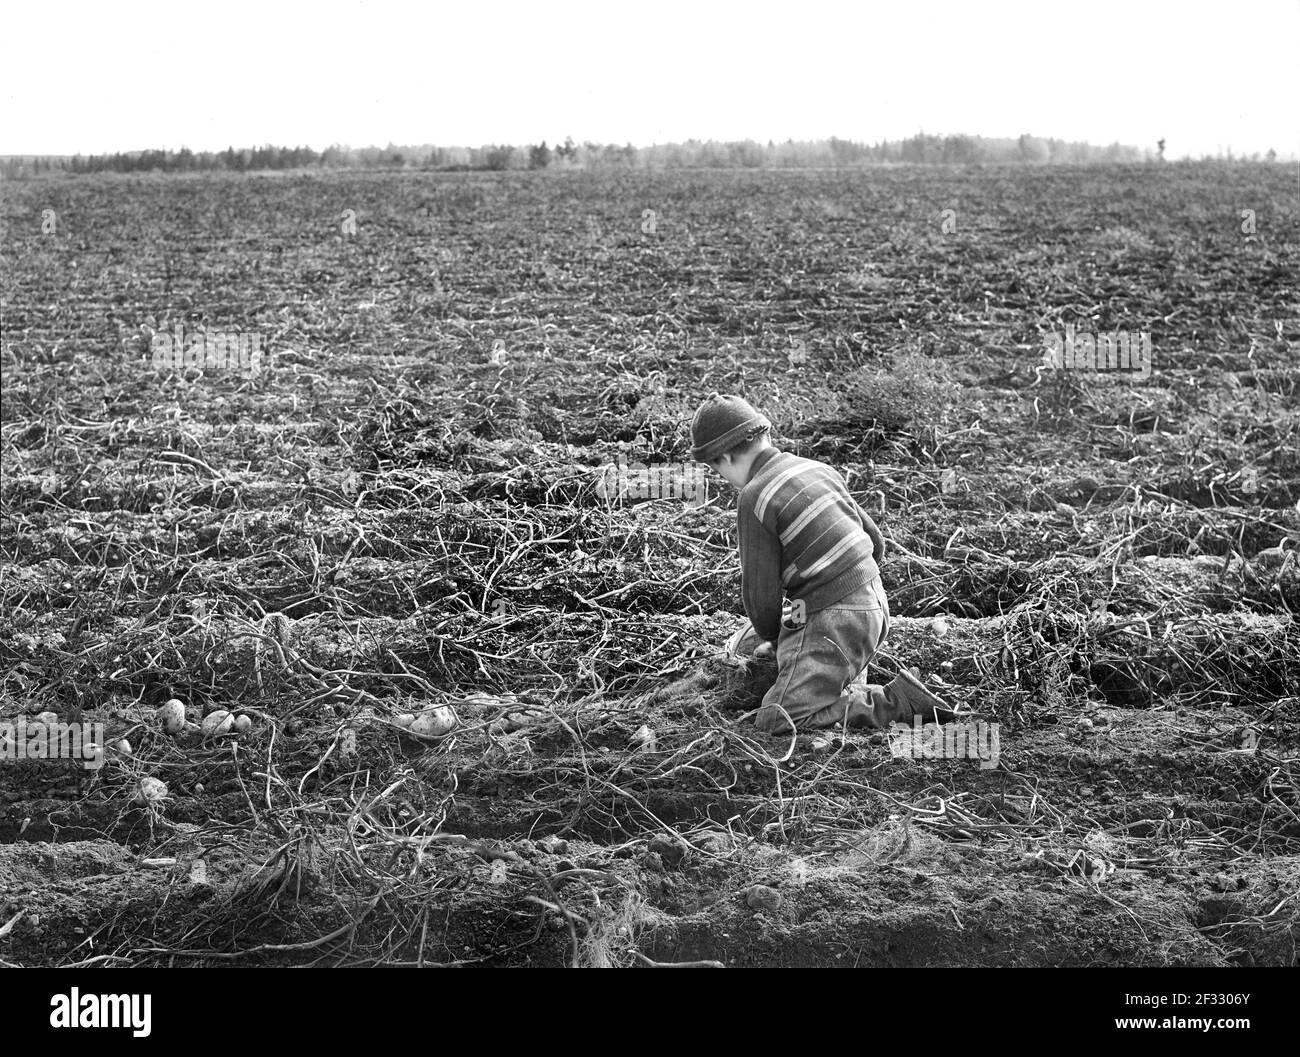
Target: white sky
113,75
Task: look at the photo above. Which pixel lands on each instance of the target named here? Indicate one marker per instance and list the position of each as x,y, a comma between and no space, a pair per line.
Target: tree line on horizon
921,149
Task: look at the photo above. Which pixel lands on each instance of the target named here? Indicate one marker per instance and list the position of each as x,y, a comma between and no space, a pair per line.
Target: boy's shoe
909,697
867,707
903,697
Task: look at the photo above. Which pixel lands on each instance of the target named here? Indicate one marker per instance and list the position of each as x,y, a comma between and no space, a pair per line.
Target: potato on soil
434,723
151,790
218,723
171,716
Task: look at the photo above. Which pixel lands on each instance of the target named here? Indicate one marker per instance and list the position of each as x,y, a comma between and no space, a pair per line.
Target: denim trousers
815,662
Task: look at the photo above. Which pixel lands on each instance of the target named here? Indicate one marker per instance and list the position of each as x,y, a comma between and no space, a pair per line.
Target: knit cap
721,423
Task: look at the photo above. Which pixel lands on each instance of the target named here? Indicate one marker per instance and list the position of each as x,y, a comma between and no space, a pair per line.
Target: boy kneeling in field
803,535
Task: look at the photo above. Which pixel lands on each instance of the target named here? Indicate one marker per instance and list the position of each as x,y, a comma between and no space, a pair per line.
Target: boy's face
729,470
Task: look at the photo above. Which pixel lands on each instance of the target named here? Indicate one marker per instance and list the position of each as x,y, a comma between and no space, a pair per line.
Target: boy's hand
764,649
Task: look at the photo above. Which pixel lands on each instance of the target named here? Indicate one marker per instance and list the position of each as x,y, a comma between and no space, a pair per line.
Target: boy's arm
873,530
760,576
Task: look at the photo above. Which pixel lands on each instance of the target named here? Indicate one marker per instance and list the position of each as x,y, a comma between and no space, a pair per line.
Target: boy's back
803,535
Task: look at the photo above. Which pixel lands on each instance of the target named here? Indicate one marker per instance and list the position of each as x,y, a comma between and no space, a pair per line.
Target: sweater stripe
834,553
802,522
769,493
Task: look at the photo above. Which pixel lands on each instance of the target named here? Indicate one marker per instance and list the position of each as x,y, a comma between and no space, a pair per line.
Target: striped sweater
801,533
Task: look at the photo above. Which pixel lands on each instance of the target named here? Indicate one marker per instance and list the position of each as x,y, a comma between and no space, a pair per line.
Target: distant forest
921,149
